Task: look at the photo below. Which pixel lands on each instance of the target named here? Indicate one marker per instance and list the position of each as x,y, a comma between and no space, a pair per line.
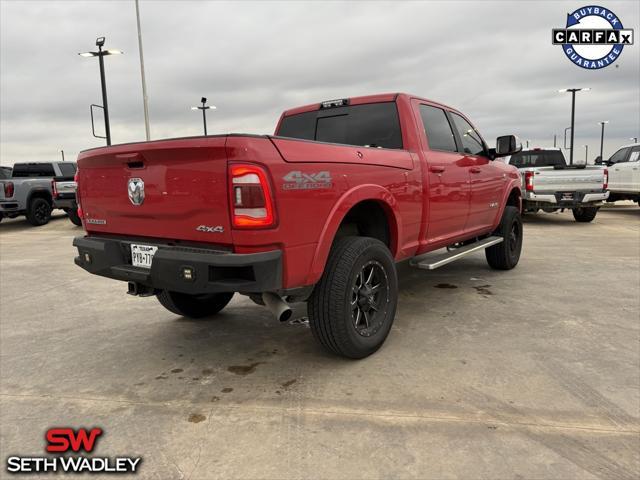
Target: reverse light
251,200
8,189
528,181
605,183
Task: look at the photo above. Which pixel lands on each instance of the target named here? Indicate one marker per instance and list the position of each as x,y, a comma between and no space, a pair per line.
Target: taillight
75,179
251,201
605,183
528,181
8,189
54,190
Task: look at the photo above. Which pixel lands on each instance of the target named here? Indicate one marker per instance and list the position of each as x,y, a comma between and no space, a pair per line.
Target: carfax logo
593,37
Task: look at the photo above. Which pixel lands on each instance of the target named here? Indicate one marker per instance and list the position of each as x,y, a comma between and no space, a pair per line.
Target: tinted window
369,125
33,170
67,169
538,158
437,128
619,156
471,140
5,172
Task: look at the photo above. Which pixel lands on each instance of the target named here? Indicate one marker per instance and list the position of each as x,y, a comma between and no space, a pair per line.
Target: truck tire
584,214
194,306
506,254
39,212
72,213
352,308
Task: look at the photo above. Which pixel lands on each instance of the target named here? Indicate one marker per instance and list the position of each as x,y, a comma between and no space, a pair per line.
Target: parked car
30,191
319,212
624,174
549,184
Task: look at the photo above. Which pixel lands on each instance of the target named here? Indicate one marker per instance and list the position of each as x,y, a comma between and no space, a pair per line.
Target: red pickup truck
319,212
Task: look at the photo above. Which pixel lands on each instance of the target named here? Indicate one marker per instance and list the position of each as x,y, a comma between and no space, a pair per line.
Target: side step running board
437,261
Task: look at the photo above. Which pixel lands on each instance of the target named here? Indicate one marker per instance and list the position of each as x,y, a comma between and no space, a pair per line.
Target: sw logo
67,440
593,37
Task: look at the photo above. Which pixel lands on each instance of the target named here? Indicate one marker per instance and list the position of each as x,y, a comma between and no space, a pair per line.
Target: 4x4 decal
297,180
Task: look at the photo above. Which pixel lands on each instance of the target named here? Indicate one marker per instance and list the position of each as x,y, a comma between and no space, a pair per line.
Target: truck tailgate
546,179
173,189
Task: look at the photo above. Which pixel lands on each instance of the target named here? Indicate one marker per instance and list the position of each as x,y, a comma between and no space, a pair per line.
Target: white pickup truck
549,184
624,174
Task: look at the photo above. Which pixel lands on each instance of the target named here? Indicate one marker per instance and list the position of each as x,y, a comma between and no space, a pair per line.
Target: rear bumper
557,199
213,270
9,207
66,203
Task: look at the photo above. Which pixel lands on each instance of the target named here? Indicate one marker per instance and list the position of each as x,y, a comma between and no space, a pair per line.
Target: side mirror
598,160
507,145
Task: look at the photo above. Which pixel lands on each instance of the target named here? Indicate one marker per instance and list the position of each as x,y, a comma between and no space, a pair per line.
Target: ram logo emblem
136,191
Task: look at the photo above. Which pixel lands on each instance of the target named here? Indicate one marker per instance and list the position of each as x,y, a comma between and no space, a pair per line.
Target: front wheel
352,308
506,254
194,306
585,214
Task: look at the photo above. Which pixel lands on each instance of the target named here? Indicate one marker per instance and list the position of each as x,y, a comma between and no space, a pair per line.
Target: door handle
436,168
475,170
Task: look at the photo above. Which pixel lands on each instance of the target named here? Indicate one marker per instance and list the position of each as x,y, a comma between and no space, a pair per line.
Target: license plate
142,255
567,196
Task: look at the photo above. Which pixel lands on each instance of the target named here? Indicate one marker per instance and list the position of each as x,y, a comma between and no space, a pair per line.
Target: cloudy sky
492,60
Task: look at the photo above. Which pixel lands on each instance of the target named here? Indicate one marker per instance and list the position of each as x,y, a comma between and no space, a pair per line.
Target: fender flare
513,185
39,192
339,211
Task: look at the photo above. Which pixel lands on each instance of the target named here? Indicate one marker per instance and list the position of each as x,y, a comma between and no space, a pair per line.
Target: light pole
586,154
527,143
101,54
602,124
204,109
635,139
573,114
554,140
145,99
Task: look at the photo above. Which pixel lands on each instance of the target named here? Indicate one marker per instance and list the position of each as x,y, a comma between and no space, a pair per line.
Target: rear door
446,176
486,178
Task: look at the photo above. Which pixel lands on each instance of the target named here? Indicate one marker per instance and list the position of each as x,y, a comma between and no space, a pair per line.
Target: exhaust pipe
277,306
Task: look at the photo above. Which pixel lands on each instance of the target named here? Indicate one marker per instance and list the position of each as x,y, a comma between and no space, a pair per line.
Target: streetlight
527,143
573,113
101,54
204,109
586,154
602,124
635,139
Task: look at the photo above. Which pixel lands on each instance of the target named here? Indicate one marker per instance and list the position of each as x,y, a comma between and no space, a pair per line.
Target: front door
616,172
486,178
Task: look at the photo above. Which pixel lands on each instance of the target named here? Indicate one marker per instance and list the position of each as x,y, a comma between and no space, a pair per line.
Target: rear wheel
39,212
506,254
194,306
352,308
585,214
73,216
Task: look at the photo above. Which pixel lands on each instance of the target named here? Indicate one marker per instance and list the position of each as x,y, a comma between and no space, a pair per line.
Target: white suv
624,174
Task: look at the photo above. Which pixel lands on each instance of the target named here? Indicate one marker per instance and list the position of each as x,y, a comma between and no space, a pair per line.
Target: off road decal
297,180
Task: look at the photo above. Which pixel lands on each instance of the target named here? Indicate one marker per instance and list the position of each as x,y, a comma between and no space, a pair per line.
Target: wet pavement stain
207,371
196,418
483,290
195,378
445,285
289,383
227,390
177,370
244,369
161,377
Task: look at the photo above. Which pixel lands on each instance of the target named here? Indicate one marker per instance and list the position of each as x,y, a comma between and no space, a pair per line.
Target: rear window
33,170
368,125
5,172
538,158
67,169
